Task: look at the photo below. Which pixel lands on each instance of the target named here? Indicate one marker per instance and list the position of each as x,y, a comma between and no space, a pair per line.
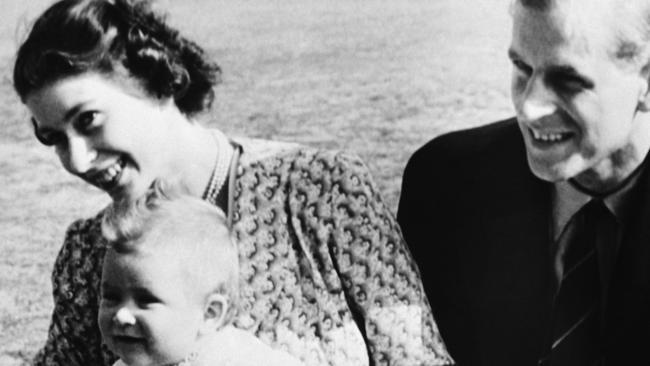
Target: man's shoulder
476,142
493,152
485,147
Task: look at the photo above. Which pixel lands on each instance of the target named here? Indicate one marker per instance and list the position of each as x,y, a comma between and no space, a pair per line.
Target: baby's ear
214,313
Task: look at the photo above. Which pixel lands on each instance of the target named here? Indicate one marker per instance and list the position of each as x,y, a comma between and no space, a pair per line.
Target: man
500,207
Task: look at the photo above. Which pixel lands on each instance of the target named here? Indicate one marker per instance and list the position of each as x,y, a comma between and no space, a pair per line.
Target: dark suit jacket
478,223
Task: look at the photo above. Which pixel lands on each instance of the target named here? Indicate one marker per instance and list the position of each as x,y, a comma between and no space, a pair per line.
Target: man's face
575,102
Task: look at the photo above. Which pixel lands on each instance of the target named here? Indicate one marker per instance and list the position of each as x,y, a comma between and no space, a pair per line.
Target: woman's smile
107,178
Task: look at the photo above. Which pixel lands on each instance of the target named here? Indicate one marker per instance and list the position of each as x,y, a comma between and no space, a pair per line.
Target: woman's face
108,133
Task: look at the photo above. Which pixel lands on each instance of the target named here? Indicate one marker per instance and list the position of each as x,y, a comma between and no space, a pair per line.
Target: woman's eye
86,121
50,138
46,136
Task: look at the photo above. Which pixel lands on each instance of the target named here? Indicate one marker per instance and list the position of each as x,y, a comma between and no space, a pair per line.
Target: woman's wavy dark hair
106,36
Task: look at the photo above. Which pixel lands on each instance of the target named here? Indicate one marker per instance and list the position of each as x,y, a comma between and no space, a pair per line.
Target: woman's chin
127,187
127,193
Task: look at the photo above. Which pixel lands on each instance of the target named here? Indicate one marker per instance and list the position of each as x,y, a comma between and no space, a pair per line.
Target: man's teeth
549,137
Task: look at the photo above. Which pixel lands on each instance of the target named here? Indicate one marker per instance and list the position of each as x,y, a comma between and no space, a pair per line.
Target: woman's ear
214,313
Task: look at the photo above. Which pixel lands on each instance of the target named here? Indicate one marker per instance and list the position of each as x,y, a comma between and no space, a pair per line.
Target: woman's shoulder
256,152
77,268
85,226
83,241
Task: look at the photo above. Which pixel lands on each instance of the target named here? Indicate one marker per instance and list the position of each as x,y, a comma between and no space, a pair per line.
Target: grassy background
374,77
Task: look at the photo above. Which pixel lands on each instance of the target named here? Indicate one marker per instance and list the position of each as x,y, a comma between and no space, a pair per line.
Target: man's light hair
168,220
633,33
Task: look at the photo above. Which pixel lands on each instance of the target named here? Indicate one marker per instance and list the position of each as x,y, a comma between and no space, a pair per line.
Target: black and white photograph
325,183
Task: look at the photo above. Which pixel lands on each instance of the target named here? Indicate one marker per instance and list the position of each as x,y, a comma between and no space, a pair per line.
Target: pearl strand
221,167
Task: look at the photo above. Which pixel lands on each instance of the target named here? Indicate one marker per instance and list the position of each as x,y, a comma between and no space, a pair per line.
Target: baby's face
145,315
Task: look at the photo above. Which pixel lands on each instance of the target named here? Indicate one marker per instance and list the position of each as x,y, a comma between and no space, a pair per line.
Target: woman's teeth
109,175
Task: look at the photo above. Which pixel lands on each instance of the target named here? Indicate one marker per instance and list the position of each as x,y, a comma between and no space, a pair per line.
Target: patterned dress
324,272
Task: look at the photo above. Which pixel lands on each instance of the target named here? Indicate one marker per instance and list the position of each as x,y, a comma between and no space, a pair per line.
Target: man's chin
553,171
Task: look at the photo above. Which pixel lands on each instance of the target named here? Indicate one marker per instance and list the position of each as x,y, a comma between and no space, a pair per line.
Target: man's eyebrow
564,70
559,72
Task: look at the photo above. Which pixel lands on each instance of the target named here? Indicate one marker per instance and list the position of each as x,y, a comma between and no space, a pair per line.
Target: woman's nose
79,155
124,317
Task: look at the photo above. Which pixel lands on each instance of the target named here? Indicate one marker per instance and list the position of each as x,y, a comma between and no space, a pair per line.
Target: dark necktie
575,336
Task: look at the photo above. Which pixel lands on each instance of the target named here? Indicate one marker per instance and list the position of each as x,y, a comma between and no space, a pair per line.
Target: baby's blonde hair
165,219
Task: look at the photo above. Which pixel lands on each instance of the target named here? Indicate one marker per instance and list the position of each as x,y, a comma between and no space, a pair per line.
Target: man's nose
537,101
79,155
124,317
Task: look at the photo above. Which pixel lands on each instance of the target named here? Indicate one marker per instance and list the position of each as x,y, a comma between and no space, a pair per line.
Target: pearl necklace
220,171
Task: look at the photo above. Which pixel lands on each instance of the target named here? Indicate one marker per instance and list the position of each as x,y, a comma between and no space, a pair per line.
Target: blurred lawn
374,77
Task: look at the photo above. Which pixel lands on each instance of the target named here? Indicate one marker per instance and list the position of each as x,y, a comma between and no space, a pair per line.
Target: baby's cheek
104,320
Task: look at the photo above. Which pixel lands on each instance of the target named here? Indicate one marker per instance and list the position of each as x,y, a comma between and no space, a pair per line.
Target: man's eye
519,65
569,83
572,83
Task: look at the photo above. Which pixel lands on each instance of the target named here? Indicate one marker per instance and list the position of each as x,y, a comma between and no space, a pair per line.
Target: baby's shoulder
236,347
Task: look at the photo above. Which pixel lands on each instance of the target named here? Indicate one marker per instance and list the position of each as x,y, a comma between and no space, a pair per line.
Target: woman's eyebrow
66,117
72,111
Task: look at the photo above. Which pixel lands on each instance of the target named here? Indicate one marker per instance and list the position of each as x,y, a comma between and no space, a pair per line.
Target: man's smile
550,137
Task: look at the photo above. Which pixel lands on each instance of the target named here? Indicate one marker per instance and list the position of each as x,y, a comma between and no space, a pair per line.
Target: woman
325,274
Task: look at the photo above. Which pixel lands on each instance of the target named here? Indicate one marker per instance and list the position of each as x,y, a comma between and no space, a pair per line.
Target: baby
170,286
